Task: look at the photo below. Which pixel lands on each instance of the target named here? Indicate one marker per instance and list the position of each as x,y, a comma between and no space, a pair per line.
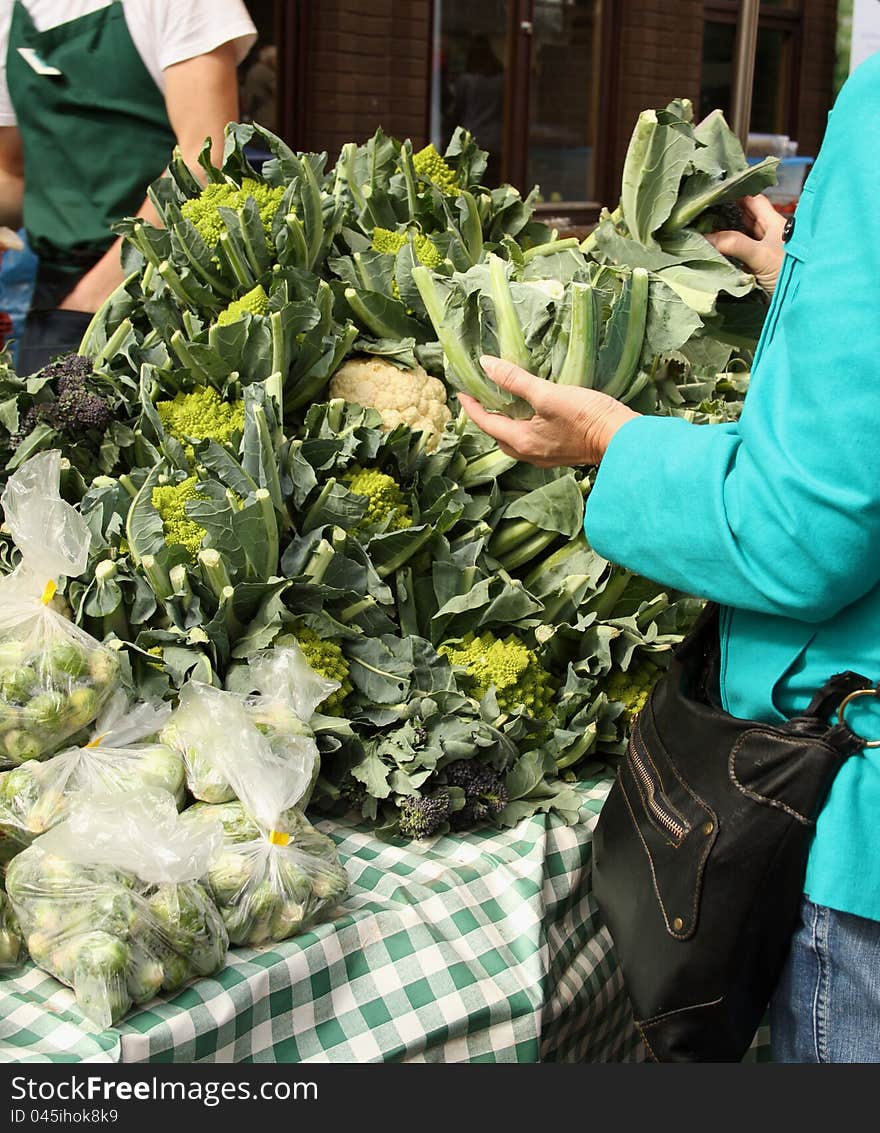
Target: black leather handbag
700,852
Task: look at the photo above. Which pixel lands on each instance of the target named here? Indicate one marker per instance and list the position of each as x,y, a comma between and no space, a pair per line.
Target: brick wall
369,66
661,46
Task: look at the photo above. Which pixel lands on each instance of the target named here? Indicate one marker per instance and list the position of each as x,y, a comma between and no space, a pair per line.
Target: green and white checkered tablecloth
476,948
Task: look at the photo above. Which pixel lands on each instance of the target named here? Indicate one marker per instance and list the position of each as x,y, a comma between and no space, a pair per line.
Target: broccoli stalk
511,343
466,372
635,300
579,365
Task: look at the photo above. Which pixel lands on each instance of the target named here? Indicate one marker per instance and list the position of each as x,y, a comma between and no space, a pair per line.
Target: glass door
470,76
563,96
524,77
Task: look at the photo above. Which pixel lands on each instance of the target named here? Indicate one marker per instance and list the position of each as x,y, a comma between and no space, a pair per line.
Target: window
774,91
524,77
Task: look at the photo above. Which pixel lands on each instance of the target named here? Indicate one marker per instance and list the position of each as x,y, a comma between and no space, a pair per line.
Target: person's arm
11,176
779,512
201,97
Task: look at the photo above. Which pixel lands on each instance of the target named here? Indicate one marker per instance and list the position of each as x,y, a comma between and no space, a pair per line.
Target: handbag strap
828,701
699,655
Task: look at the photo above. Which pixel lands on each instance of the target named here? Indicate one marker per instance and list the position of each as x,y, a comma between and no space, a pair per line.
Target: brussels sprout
103,666
48,709
161,766
83,706
209,955
176,971
145,977
19,746
228,874
114,911
66,660
99,978
11,947
289,919
13,654
18,685
41,946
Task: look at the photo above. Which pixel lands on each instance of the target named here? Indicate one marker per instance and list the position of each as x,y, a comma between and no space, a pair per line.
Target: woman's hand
571,425
760,248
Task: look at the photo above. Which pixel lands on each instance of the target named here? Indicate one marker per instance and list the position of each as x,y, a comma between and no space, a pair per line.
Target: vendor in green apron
92,129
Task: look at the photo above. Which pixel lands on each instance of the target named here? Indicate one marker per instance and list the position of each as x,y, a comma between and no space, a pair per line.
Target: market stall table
477,948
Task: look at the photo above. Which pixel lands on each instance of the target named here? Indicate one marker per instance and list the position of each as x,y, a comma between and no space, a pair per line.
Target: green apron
94,137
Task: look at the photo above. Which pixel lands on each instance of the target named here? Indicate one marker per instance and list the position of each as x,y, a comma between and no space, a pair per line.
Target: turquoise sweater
777,517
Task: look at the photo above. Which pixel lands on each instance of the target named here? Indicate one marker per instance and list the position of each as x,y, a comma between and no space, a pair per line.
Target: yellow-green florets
328,660
202,210
430,166
387,503
255,302
632,688
169,500
199,415
389,242
515,671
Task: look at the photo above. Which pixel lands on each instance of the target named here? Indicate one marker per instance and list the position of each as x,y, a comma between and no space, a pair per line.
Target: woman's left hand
570,425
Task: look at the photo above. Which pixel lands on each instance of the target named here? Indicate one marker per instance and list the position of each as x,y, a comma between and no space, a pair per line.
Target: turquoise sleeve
779,513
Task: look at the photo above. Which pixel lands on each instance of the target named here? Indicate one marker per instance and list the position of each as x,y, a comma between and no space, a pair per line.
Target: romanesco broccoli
201,414
202,210
169,501
430,166
422,817
255,302
386,501
328,660
519,678
390,243
632,688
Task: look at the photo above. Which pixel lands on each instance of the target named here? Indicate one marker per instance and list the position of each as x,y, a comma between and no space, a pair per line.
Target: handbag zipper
664,815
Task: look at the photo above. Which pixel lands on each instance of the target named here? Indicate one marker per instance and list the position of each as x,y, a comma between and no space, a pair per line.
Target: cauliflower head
402,397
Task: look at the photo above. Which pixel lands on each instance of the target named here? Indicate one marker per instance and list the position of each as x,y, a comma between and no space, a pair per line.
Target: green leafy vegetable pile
285,462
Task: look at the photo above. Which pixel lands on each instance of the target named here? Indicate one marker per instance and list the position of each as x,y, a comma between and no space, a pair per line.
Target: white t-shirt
164,32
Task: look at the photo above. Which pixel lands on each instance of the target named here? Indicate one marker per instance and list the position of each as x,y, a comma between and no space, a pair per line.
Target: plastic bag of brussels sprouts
54,677
12,951
109,903
121,755
267,889
282,694
275,874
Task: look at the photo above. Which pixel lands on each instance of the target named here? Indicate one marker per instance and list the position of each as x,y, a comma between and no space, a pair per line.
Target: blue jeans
826,1007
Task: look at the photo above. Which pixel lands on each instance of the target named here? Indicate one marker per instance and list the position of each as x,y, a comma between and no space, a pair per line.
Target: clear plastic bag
284,692
12,952
275,875
264,891
54,677
109,902
118,757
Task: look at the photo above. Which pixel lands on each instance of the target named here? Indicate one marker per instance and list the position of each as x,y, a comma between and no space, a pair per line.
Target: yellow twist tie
96,742
49,592
279,837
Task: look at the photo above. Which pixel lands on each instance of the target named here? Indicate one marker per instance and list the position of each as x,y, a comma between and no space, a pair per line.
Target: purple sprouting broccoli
76,409
485,795
422,817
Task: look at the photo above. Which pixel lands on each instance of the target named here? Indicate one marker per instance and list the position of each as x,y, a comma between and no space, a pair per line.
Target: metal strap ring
842,708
